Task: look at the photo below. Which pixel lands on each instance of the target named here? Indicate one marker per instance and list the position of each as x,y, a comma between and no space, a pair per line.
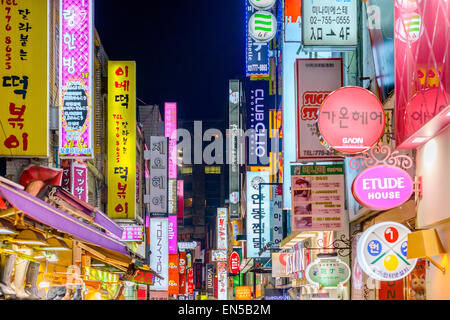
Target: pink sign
351,120
173,244
180,201
76,76
80,181
130,233
170,131
382,187
66,180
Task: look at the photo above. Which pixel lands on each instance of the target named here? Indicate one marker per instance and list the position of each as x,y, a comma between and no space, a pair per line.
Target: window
186,170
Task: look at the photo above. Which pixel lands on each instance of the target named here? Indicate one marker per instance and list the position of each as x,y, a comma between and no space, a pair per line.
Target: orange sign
173,274
243,293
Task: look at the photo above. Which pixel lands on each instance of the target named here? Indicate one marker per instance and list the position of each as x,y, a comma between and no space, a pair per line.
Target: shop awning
44,213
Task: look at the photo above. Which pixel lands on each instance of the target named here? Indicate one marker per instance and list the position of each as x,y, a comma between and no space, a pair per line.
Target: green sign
328,273
317,169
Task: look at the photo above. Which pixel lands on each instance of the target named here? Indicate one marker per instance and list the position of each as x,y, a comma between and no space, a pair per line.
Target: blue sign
374,247
256,53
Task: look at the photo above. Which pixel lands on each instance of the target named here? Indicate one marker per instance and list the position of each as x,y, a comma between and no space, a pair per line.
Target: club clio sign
351,120
382,187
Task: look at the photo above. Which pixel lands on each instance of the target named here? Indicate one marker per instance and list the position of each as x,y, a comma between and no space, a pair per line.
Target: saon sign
382,187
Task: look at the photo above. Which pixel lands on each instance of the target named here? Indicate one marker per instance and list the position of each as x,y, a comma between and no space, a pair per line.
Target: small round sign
262,26
262,4
235,262
382,251
351,120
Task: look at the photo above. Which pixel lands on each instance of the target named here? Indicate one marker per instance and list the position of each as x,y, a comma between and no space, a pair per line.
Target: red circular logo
235,262
351,120
391,234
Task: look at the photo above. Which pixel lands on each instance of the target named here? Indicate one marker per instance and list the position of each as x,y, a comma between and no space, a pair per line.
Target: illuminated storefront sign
235,262
79,179
292,20
173,234
277,216
157,197
190,276
170,131
237,228
180,201
187,245
256,53
182,272
121,139
198,275
262,4
76,76
258,217
130,233
222,281
318,197
172,197
382,252
210,278
24,80
243,293
382,187
173,274
316,79
222,230
351,120
328,273
143,277
234,150
159,259
262,26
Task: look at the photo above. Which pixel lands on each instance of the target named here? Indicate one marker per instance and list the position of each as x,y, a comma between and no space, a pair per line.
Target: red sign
351,120
391,290
143,277
182,272
190,274
235,262
173,274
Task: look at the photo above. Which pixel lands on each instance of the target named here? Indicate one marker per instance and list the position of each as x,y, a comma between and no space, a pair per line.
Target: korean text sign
76,74
222,230
170,131
159,246
121,139
23,80
158,177
318,197
256,53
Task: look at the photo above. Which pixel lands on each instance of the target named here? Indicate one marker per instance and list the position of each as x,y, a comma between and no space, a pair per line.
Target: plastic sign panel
222,230
351,120
233,148
262,4
187,245
328,273
258,214
131,233
235,262
330,23
76,77
170,131
219,255
159,246
316,79
190,277
262,26
173,274
318,197
222,277
382,251
79,178
157,197
121,139
182,272
237,228
172,197
198,279
292,20
173,228
243,293
24,78
277,216
256,52
143,277
180,201
382,187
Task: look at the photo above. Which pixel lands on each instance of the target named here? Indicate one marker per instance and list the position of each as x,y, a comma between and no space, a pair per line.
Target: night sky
185,51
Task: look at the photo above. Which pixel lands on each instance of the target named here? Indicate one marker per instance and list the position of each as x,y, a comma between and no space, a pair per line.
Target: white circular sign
382,250
262,4
262,26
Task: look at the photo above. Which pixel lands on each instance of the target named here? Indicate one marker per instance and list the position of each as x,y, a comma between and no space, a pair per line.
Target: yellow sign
236,226
24,78
121,139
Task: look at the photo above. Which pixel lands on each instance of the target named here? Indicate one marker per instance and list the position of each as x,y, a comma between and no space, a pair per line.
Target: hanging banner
121,139
330,24
233,148
210,278
173,234
157,197
318,197
222,230
182,270
76,78
382,252
170,131
173,274
316,79
24,82
79,179
159,259
256,53
222,281
258,213
180,201
328,272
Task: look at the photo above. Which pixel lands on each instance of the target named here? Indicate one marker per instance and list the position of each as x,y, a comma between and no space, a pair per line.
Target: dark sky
185,51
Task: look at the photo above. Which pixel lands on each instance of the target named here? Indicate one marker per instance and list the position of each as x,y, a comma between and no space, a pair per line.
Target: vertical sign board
256,53
79,179
182,272
316,79
234,155
190,280
222,277
173,274
292,20
24,78
258,217
76,77
236,227
158,177
173,234
172,197
277,217
66,182
198,275
210,278
329,23
180,201
222,230
159,246
318,197
121,139
170,131
258,104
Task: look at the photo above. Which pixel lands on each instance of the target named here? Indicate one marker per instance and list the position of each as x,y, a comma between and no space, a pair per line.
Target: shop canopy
45,213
